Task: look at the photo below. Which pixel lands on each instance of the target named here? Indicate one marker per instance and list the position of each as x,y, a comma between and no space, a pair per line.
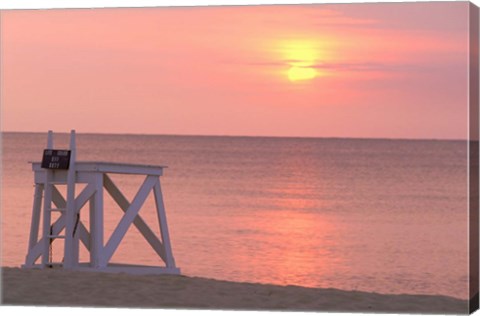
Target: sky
387,70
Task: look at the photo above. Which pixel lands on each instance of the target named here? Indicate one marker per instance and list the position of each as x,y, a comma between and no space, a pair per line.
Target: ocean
386,216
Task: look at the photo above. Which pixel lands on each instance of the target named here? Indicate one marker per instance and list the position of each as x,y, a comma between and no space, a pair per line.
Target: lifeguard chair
59,167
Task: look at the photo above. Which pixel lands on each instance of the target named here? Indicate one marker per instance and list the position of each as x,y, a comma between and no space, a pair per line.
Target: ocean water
388,216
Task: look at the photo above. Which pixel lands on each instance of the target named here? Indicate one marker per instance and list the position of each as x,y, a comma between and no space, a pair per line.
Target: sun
301,56
301,73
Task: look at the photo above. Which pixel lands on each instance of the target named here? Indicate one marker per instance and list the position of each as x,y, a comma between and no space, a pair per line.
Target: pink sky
377,70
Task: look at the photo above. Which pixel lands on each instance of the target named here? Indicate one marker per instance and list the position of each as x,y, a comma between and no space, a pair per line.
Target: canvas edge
473,157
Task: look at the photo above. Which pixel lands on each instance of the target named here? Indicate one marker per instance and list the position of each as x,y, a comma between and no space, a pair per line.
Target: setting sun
301,56
301,73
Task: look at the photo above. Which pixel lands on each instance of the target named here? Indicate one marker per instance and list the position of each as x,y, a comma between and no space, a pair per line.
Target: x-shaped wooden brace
59,224
131,211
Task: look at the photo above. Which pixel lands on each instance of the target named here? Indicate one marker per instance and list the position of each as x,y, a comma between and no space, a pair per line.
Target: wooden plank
128,218
110,167
36,212
84,235
129,169
139,223
162,219
34,254
71,240
47,202
80,201
127,268
84,196
96,224
57,198
50,139
61,176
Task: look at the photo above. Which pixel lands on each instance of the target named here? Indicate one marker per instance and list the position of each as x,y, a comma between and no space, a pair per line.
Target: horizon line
245,136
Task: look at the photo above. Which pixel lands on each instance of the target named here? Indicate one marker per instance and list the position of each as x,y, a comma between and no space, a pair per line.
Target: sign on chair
56,159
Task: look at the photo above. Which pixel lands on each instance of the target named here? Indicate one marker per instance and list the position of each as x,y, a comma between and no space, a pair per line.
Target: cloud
362,66
357,66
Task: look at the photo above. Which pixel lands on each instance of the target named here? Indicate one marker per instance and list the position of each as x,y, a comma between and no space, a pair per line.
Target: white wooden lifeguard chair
59,167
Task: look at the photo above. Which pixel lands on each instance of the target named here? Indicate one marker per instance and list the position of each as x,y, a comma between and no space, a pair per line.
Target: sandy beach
50,287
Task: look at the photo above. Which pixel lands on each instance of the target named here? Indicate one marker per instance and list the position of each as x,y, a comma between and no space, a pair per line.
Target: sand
51,287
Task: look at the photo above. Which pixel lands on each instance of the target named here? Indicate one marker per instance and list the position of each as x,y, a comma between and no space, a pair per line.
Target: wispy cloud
356,66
